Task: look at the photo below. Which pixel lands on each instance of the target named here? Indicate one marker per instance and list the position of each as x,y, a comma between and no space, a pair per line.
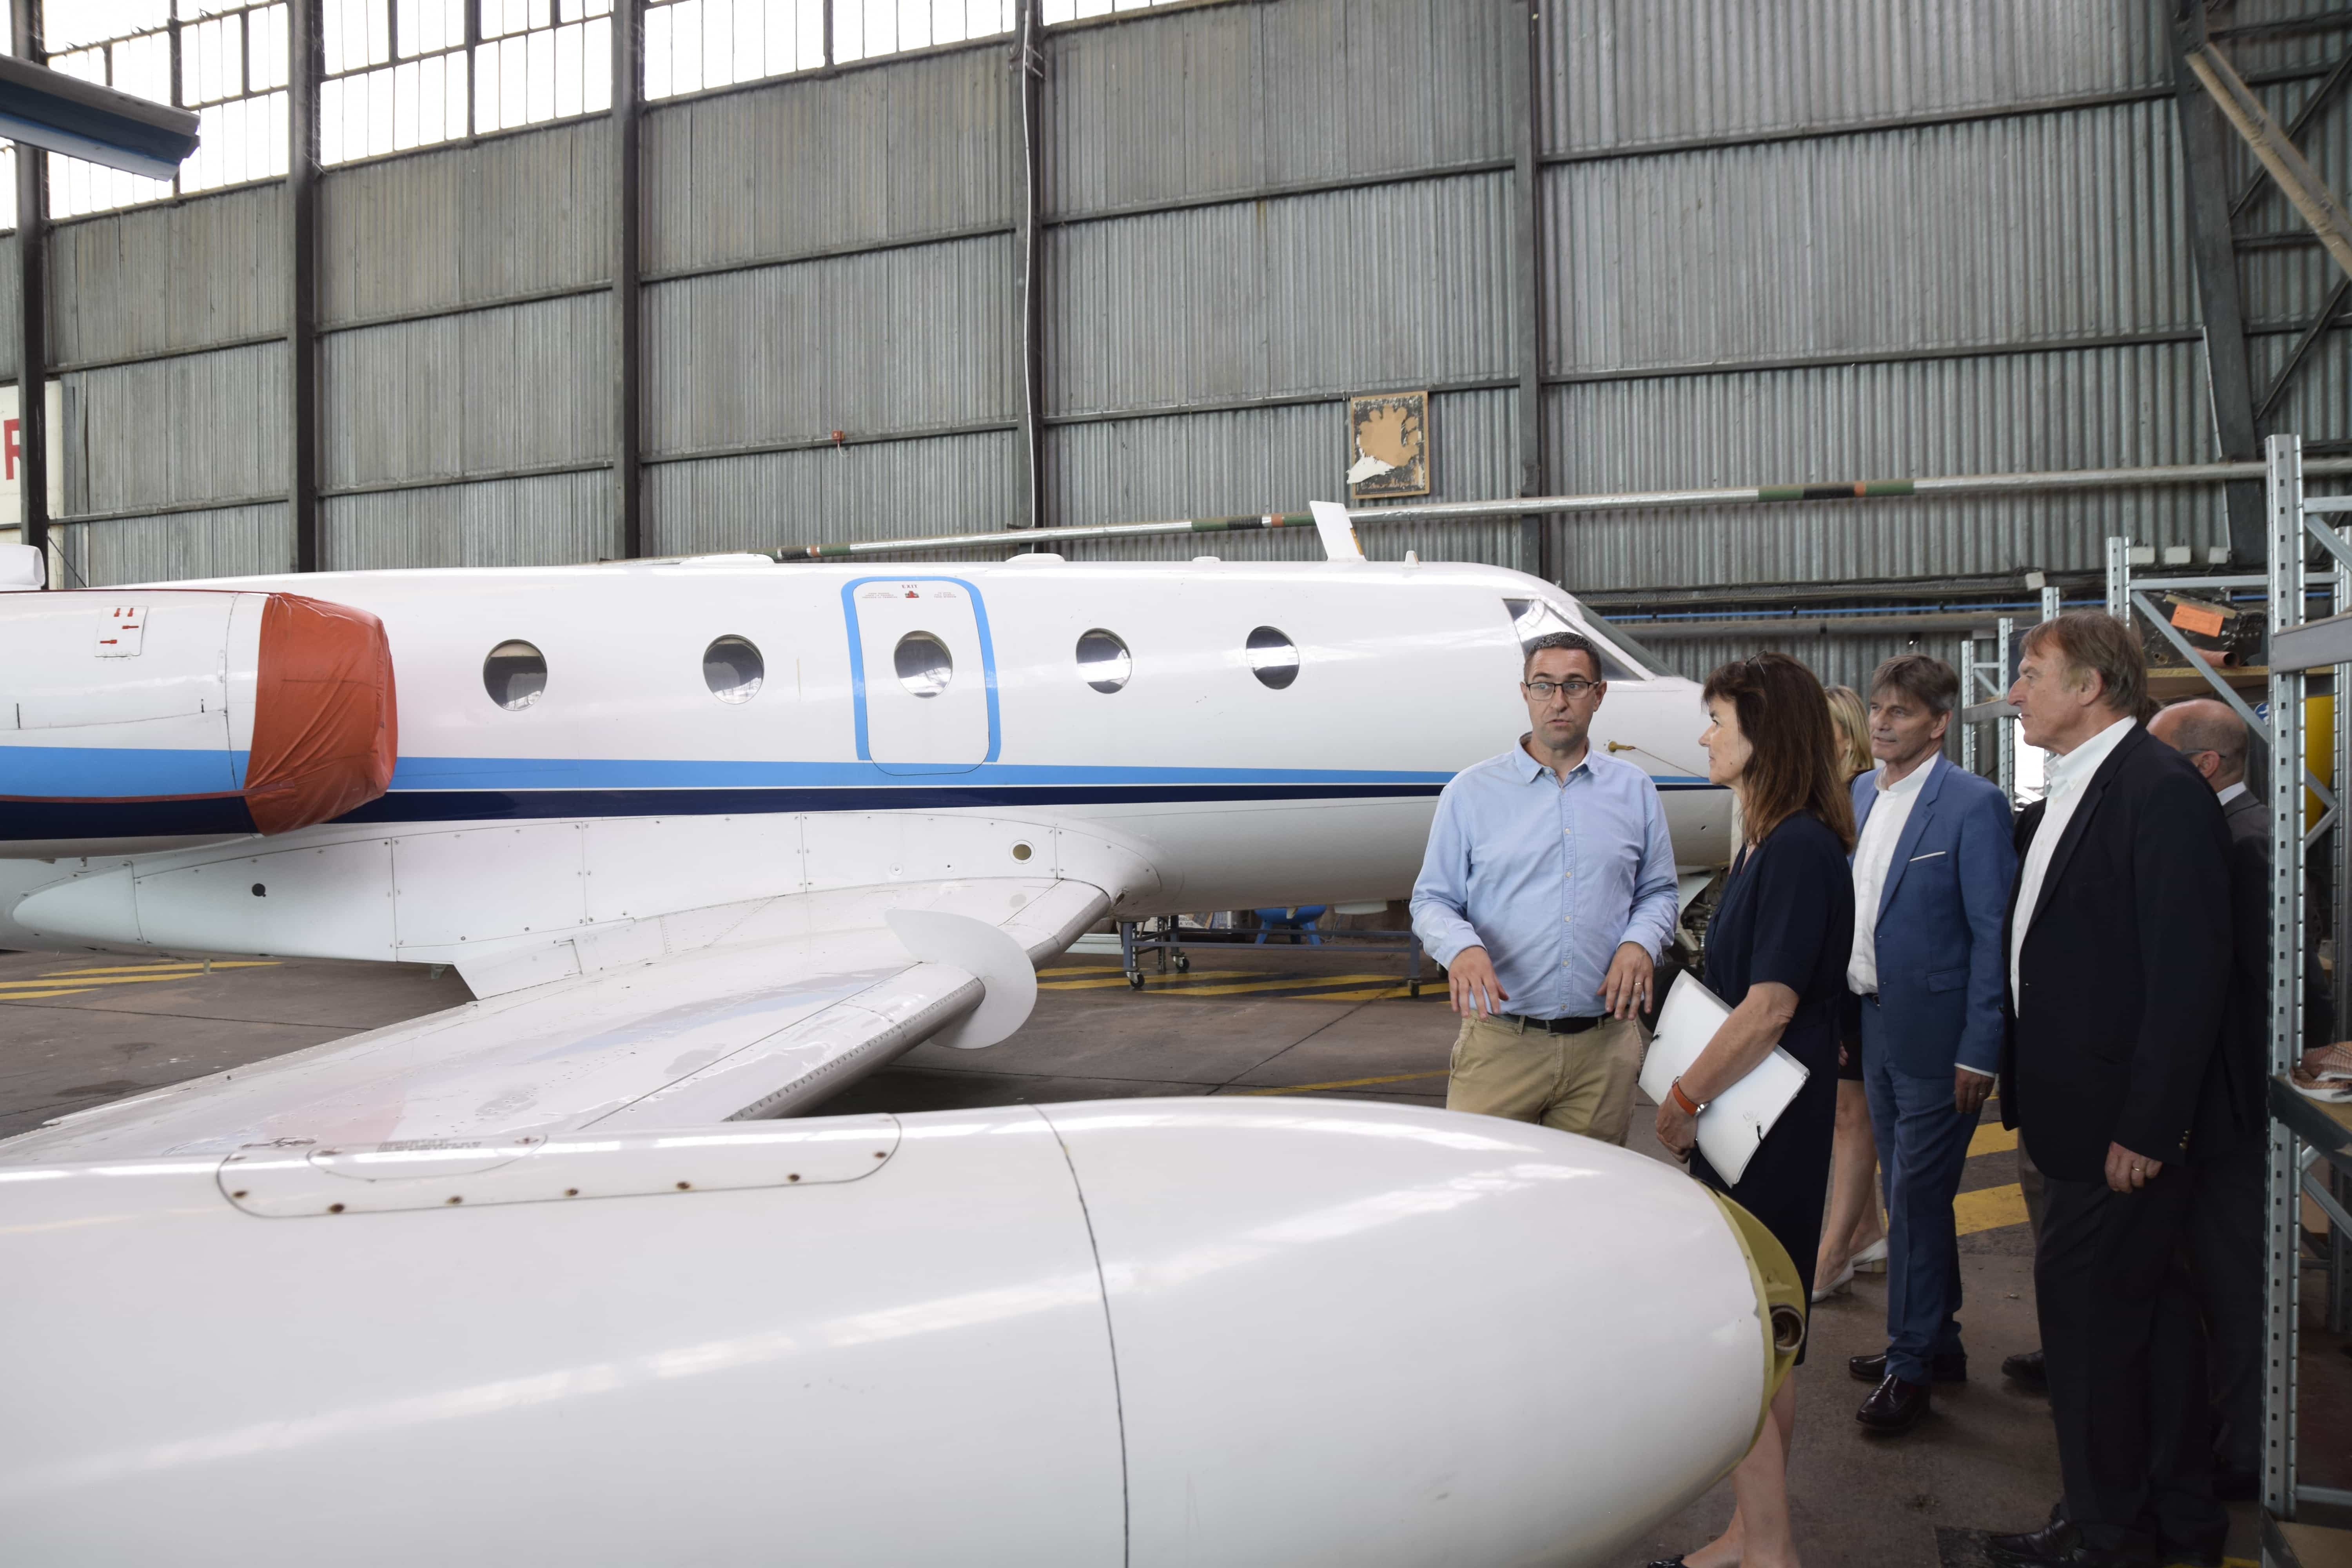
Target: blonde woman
1853,1237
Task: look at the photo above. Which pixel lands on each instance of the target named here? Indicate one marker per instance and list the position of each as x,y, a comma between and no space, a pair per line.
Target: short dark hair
1785,717
1574,642
1919,676
2093,642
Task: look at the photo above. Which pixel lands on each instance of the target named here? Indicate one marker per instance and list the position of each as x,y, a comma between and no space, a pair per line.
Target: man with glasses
1548,892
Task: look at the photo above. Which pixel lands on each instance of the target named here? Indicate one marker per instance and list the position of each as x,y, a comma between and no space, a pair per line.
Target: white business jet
540,1277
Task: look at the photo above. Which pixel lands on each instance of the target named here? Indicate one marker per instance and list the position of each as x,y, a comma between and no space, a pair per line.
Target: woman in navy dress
1776,952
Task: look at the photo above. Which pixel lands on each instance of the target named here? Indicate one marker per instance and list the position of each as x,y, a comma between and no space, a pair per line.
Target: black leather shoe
2061,1543
1951,1367
2025,1367
1893,1406
1674,1562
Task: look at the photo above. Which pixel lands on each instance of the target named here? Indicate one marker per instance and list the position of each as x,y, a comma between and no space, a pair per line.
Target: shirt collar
2233,793
1912,780
1530,769
2067,774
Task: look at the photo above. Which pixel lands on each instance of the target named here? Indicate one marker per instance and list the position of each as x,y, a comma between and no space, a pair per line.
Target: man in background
2119,986
1932,865
1548,892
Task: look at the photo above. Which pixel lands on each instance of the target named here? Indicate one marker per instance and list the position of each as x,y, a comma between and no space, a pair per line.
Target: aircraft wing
742,1011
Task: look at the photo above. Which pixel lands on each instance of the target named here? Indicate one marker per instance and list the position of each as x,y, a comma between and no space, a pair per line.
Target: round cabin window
1103,660
733,670
514,675
1273,657
924,665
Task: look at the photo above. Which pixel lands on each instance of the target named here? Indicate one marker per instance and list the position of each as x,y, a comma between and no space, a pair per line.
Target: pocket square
1929,855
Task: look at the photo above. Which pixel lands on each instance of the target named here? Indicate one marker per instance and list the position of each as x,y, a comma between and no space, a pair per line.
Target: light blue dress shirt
1548,876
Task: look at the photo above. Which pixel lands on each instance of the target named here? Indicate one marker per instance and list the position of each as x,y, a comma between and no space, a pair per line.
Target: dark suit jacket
2246,1048
2124,972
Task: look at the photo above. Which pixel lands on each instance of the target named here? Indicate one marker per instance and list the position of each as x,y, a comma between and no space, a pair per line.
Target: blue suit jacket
1943,973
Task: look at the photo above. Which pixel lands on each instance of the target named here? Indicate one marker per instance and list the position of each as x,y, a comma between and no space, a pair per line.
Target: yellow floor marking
1992,1137
10,988
37,996
1295,982
1989,1208
1347,1083
1154,981
192,966
1079,969
1397,993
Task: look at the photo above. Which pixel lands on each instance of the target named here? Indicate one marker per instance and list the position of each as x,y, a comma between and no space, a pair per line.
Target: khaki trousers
1579,1083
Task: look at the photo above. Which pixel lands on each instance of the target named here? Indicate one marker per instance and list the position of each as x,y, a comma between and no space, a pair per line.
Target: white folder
1736,1120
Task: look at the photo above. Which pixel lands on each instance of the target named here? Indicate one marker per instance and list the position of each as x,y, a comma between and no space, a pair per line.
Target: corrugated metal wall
1817,240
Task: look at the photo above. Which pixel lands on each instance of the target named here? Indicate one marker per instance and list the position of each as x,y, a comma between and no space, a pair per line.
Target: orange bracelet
1690,1106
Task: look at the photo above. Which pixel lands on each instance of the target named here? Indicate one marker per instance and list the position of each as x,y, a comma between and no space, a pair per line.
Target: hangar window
1103,660
925,667
1273,657
514,675
733,670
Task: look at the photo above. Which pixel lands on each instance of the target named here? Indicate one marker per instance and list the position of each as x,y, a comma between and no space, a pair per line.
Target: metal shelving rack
2296,522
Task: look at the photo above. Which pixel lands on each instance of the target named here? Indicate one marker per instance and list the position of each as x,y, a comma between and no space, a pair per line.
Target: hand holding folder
1736,1120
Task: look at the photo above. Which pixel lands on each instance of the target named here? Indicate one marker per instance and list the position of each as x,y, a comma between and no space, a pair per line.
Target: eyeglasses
1543,690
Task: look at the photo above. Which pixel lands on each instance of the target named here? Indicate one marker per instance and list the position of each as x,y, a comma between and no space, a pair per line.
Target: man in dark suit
1932,869
2118,978
2226,1231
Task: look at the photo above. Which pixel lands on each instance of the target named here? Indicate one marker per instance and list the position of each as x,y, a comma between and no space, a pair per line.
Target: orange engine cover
326,725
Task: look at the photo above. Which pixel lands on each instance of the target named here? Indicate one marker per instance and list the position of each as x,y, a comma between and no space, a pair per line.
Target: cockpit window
1533,618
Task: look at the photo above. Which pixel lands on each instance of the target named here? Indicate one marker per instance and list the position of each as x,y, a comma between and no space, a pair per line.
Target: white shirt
2233,793
2066,777
1874,857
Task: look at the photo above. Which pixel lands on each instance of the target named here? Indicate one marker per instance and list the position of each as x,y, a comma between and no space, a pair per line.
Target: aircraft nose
1366,1333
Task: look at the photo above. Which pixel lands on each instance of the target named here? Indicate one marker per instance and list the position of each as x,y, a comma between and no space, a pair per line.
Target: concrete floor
78,1031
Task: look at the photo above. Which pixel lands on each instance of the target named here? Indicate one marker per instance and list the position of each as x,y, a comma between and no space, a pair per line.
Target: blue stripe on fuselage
86,772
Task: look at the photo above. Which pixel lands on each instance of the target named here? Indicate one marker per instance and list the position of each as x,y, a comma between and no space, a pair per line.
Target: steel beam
2304,189
2316,100
33,309
2283,509
306,66
1527,268
628,321
2229,377
1029,70
2303,345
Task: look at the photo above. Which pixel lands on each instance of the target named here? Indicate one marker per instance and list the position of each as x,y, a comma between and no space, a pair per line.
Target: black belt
1561,1026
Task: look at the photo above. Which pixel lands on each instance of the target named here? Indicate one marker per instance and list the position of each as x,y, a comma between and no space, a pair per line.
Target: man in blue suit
1933,864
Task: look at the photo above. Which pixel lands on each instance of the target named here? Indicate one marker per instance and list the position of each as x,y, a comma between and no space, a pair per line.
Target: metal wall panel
197,428
2075,409
1273,459
887,490
483,393
899,339
1625,72
922,147
555,520
154,280
236,541
1842,658
1347,290
2045,226
1237,98
510,215
2319,402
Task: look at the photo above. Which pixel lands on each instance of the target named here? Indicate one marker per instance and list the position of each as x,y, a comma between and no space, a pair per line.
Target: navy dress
1787,915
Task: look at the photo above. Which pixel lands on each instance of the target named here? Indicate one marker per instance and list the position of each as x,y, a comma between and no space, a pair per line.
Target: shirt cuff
1979,1071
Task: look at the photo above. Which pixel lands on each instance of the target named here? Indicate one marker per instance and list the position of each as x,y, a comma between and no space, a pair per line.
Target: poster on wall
1388,439
11,483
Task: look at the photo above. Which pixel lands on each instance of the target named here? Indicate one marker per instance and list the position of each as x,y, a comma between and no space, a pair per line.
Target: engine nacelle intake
139,719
